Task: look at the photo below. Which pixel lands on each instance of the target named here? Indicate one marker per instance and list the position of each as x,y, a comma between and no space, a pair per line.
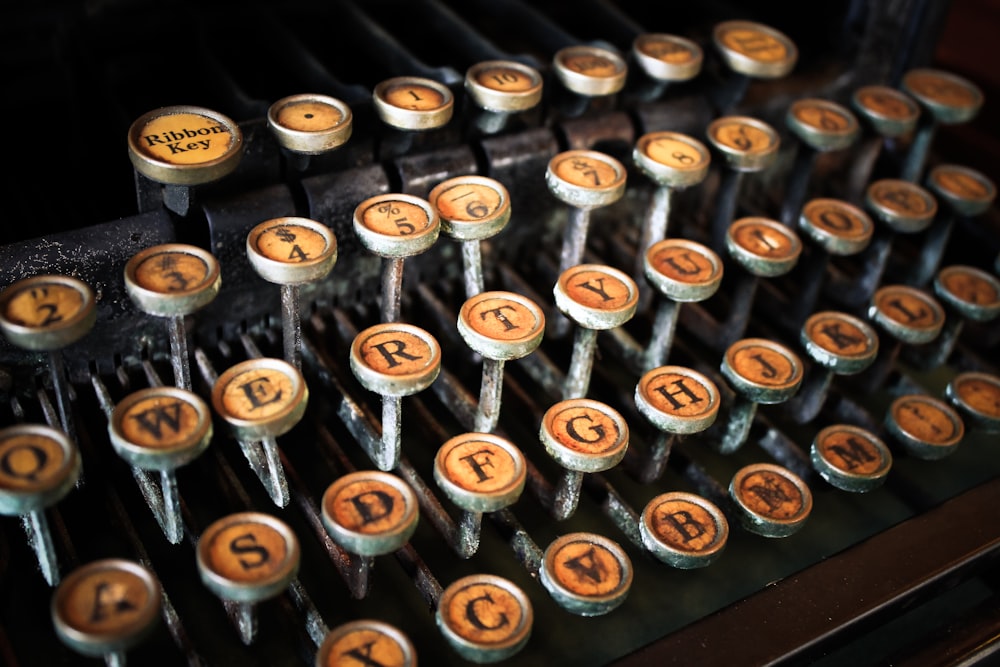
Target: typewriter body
903,573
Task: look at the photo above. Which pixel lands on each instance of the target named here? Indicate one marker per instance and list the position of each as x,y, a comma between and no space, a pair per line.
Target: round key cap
596,296
395,359
970,292
310,124
586,574
850,458
586,179
160,428
754,49
746,144
822,125
683,270
836,226
292,251
677,399
184,145
584,435
172,279
589,70
762,370
501,325
977,398
949,98
503,86
926,427
890,112
413,103
683,530
667,58
260,398
105,607
771,501
396,225
248,557
39,465
763,247
46,312
837,341
903,206
966,191
908,314
484,618
672,159
480,472
368,640
471,208
369,512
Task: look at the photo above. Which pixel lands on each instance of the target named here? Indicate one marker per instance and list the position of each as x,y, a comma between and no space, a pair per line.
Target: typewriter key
751,50
910,316
759,371
583,436
746,145
161,429
39,465
172,281
584,180
886,114
106,607
595,297
310,124
366,641
948,100
850,458
480,472
586,574
262,399
501,88
246,558
667,58
681,271
977,398
500,326
370,513
677,401
964,193
179,147
484,618
966,293
839,344
821,126
48,313
683,530
926,427
413,103
771,501
590,71
292,252
395,226
471,209
394,360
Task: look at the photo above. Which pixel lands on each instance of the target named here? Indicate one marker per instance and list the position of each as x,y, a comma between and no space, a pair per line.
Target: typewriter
438,332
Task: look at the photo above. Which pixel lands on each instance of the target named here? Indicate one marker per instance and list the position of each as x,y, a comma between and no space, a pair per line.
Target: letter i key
106,607
500,326
47,313
161,429
246,558
394,360
471,209
262,399
39,465
395,226
292,252
172,281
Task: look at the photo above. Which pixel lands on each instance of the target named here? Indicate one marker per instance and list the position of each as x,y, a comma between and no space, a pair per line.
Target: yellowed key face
763,364
368,506
970,286
886,103
258,393
484,612
838,219
505,79
772,495
469,201
396,218
393,351
684,525
822,117
927,420
580,426
44,305
669,50
414,96
173,272
247,552
309,116
978,392
909,308
590,64
754,44
960,183
292,243
185,139
587,568
765,240
941,89
679,393
367,643
502,317
840,335
743,137
586,172
901,197
481,466
161,422
675,153
850,450
30,460
599,290
682,263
